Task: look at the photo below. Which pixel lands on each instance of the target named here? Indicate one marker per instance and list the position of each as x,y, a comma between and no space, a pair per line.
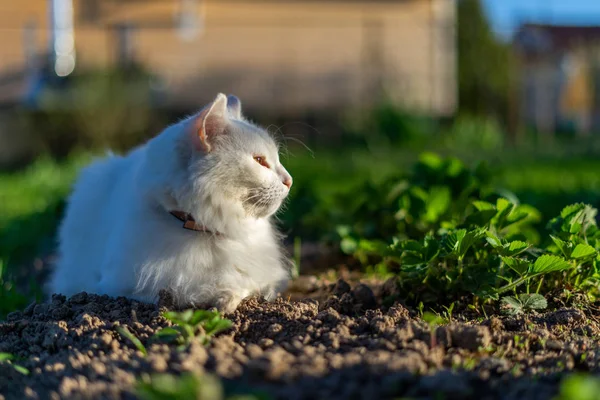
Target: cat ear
234,105
210,123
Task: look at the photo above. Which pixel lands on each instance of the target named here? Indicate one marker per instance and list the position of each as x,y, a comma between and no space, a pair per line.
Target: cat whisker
300,142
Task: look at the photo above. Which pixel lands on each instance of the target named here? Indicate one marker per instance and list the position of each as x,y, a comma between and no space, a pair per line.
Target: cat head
234,165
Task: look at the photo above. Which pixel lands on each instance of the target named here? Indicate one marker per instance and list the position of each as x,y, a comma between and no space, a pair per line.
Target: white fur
118,237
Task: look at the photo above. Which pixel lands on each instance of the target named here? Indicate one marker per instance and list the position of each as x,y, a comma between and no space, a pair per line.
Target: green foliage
579,387
32,202
125,333
92,109
474,133
432,197
10,298
188,387
445,237
191,325
8,358
524,303
386,124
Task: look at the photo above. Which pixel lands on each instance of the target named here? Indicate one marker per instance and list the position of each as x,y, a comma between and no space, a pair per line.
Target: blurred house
560,77
284,56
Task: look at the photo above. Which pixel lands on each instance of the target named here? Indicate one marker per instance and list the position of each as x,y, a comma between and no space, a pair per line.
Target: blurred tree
485,65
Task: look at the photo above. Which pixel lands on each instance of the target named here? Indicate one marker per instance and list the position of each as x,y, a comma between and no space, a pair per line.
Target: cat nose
287,181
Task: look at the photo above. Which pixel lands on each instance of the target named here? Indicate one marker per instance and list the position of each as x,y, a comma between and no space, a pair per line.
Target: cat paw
227,302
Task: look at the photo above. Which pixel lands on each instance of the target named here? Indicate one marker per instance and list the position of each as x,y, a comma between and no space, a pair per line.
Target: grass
32,201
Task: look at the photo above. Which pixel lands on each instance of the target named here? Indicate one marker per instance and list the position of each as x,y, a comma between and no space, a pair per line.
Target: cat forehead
253,137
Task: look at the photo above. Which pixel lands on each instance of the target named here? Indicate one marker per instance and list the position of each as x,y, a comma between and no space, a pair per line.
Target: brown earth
341,343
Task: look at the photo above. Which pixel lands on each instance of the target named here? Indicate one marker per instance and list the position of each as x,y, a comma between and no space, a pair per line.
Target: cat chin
263,211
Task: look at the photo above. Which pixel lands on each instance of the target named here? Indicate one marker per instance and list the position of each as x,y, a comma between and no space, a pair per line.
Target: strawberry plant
452,239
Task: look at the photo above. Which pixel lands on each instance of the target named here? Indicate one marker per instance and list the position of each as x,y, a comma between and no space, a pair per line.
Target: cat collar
190,223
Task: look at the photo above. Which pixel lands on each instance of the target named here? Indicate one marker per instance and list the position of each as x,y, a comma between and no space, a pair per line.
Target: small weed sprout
124,332
190,325
187,387
8,359
448,312
433,320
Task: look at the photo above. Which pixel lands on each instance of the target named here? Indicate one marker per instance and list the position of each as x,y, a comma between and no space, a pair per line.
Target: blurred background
356,88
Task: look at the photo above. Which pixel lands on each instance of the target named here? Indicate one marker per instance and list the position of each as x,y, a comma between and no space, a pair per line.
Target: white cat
188,211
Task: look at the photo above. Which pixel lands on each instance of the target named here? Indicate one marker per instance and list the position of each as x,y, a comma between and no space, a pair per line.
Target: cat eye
262,161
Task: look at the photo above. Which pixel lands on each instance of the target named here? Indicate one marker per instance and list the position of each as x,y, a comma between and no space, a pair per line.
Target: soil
342,340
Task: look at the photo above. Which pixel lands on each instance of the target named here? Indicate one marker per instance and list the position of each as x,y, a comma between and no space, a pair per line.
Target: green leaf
348,245
202,315
21,369
549,263
504,208
533,301
123,331
6,356
431,249
480,218
218,326
493,240
515,306
578,217
410,259
168,334
564,247
432,319
465,240
483,205
411,245
451,239
583,251
517,216
571,209
525,302
343,230
518,265
437,203
579,387
374,247
513,248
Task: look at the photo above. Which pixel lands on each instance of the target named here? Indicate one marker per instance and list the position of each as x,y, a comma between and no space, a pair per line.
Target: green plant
475,133
8,358
451,239
448,312
191,325
433,320
123,331
579,387
188,387
524,303
10,298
